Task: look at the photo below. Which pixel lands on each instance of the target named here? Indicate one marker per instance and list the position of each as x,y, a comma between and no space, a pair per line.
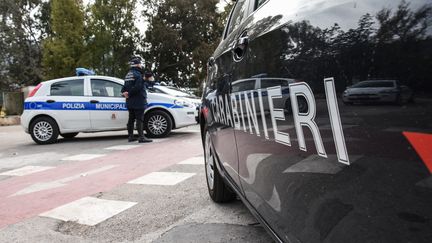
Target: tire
69,135
44,130
158,124
218,190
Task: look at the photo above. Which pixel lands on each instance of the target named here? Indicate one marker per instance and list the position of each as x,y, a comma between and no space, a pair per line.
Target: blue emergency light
84,72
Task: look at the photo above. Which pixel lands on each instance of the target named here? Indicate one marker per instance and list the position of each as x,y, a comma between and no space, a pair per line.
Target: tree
64,50
182,35
20,41
112,36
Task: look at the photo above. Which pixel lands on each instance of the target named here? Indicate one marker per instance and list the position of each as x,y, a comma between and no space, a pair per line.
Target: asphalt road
98,187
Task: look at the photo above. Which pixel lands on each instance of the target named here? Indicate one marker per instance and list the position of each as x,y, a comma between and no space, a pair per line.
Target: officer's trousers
138,116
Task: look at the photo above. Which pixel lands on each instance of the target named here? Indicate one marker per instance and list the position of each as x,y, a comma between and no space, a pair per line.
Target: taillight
33,92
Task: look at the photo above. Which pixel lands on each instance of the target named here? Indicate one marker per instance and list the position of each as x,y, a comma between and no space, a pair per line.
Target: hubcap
209,162
43,131
157,124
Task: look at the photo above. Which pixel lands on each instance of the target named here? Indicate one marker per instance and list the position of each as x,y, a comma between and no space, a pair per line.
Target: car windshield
374,84
174,91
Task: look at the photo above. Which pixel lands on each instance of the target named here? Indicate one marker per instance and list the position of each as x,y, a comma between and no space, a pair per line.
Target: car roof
82,77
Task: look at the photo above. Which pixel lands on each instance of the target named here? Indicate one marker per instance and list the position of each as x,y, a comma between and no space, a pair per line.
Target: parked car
384,91
72,105
173,91
308,168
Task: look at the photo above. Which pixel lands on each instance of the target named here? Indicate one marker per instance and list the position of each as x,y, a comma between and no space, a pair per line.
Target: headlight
183,103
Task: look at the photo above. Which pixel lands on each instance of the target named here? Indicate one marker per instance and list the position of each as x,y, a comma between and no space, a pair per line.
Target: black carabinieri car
276,131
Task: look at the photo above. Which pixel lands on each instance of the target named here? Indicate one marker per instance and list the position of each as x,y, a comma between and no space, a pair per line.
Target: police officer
134,90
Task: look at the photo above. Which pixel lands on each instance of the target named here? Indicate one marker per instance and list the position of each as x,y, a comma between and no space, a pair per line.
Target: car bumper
369,98
25,120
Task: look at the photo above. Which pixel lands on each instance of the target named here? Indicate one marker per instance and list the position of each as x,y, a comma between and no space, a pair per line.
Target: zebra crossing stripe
162,178
88,210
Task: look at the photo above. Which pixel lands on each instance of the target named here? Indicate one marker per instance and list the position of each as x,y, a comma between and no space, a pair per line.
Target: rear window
68,88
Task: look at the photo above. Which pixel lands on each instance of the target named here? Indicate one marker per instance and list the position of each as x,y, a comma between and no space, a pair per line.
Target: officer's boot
130,128
142,138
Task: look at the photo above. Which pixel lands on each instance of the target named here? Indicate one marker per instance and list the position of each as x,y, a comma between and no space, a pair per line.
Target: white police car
173,91
71,105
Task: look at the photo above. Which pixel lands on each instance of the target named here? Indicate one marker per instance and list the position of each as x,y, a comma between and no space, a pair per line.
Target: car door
217,94
109,110
325,172
70,104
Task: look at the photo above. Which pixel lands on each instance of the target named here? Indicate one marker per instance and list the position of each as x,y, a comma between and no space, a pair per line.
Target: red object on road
422,143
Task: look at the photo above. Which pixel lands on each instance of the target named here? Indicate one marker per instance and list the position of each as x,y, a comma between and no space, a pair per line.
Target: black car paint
385,193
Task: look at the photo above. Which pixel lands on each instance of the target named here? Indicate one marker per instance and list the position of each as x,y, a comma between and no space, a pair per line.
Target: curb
10,120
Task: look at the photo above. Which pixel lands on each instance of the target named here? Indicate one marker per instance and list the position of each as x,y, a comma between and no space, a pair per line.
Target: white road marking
88,210
317,164
27,170
59,183
123,147
23,160
425,183
162,178
81,157
193,161
158,140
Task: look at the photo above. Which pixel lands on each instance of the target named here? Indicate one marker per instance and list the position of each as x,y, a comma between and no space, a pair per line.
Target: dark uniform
136,101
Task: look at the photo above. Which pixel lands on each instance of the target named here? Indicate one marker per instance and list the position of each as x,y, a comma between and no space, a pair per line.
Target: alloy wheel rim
157,124
43,131
209,161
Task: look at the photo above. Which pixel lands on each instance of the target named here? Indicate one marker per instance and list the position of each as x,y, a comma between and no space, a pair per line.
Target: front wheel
219,191
158,124
44,130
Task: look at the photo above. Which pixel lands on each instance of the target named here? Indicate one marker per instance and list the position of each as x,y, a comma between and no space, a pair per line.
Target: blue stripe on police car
110,106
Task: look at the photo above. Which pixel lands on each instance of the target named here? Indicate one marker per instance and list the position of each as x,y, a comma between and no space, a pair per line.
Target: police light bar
84,72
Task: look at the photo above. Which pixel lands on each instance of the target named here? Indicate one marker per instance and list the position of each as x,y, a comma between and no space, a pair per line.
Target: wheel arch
44,115
164,110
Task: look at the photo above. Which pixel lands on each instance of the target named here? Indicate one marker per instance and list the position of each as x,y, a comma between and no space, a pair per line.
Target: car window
243,85
239,13
266,83
68,88
105,88
258,3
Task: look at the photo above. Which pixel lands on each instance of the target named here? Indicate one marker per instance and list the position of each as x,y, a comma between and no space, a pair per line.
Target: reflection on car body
309,168
387,91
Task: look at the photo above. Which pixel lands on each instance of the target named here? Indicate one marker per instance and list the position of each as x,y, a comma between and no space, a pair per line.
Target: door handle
94,101
240,47
50,101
